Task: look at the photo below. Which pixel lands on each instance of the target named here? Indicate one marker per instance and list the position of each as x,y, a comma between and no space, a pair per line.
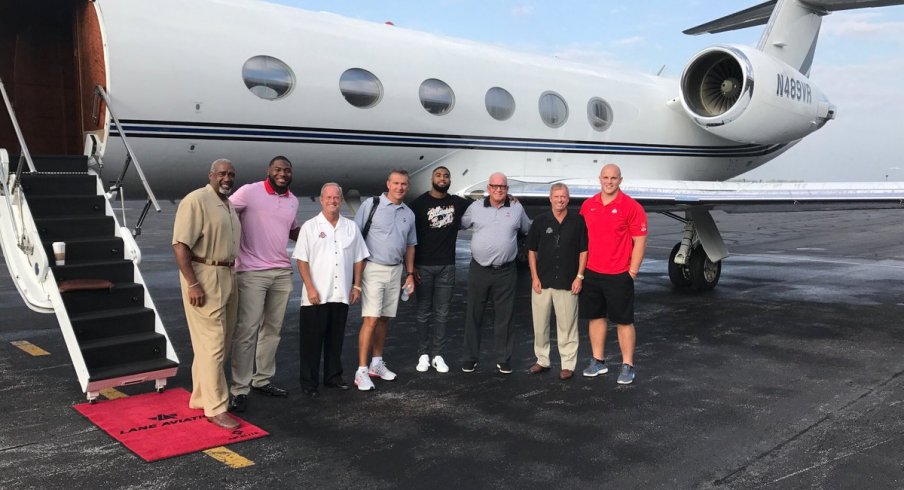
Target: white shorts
380,289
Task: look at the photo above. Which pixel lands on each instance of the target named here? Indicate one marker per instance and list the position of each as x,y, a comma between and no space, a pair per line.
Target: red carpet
160,425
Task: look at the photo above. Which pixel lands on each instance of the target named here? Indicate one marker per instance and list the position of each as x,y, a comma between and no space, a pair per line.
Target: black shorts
607,295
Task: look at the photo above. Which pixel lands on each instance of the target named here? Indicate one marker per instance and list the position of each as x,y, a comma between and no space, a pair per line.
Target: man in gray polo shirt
496,222
390,239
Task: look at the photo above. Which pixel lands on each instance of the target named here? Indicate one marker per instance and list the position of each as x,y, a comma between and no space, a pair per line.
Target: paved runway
788,375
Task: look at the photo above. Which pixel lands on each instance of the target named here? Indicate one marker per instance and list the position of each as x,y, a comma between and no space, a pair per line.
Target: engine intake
745,95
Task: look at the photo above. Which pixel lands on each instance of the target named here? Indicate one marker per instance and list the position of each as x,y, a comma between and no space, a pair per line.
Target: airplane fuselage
175,73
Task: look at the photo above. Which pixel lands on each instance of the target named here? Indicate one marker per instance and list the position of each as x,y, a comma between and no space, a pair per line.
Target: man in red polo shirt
617,240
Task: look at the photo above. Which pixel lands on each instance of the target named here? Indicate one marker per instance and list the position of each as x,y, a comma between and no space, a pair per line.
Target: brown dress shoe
566,374
224,421
537,369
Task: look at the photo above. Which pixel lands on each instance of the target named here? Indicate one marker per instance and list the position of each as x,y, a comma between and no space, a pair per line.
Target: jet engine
744,95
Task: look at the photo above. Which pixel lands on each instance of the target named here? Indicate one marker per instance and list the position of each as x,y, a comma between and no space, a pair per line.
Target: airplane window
500,103
599,113
268,77
436,96
553,109
360,88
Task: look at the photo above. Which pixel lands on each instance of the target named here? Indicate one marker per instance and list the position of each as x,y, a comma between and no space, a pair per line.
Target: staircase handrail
4,175
131,154
15,121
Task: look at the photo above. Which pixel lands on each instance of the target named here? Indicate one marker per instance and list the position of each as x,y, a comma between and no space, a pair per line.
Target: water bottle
406,292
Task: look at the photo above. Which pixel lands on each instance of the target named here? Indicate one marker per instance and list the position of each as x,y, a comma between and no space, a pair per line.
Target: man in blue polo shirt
391,238
496,222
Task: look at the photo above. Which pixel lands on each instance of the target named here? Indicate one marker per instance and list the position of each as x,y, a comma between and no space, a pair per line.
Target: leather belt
212,262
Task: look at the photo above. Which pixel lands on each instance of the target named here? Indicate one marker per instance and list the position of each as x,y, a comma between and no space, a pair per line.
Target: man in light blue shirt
390,237
496,222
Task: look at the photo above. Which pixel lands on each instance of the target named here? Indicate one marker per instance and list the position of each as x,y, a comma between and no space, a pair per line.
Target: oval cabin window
268,77
553,109
360,88
436,96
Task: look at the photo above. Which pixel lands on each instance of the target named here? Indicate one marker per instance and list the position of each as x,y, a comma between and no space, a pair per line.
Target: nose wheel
698,272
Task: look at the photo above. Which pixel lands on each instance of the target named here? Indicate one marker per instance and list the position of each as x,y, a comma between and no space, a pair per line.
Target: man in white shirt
330,256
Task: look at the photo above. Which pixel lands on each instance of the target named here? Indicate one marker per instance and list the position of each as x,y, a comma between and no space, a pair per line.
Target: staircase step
102,303
59,206
60,163
112,270
127,369
111,351
66,228
84,250
53,185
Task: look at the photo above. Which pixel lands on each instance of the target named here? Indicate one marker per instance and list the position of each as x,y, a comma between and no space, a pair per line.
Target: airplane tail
792,29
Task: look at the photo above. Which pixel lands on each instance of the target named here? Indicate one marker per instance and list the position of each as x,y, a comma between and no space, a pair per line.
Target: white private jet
100,85
347,100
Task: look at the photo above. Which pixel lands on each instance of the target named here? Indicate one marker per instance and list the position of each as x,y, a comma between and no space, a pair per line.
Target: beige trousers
566,308
263,296
210,327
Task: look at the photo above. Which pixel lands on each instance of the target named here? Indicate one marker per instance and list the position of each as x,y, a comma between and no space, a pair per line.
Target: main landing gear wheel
678,274
704,273
699,273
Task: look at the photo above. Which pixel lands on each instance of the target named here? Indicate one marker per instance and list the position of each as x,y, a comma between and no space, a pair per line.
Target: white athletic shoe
363,382
382,372
439,364
423,364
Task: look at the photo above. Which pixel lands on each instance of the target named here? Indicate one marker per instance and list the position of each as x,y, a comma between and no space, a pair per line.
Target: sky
859,62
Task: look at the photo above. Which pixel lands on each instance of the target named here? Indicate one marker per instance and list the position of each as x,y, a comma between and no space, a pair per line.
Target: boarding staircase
111,328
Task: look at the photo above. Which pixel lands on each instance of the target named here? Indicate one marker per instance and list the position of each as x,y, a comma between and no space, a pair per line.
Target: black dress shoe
238,404
310,393
270,390
342,385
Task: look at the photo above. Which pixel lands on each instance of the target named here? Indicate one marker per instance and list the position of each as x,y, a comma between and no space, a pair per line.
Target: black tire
678,274
704,273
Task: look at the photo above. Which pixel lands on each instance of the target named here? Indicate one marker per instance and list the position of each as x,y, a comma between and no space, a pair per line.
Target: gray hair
557,186
220,160
331,184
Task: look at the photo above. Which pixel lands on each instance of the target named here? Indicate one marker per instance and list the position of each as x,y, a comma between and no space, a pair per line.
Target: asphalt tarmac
788,375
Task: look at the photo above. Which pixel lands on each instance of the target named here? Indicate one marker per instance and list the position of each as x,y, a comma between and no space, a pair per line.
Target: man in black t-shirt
437,220
557,255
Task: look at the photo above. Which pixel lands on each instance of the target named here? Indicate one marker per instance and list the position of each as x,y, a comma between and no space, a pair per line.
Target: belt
212,262
494,267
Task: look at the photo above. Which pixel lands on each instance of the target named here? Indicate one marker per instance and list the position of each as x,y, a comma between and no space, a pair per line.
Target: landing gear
160,385
698,273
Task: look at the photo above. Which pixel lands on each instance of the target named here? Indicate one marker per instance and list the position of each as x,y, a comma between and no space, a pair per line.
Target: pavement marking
228,457
112,393
30,348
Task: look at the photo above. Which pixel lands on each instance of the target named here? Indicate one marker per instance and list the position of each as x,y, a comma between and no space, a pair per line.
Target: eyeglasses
498,187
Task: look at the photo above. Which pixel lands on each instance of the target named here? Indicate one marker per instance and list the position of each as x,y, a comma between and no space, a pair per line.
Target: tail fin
793,26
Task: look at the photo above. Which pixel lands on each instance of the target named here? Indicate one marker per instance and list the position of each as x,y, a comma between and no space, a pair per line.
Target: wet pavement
788,375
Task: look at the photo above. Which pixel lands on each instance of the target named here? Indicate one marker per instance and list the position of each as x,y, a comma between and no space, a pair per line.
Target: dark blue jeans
434,294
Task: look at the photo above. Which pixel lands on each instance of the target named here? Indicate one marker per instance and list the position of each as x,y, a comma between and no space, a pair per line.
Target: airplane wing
737,197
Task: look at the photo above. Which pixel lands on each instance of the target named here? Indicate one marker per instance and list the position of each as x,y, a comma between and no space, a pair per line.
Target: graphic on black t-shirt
441,216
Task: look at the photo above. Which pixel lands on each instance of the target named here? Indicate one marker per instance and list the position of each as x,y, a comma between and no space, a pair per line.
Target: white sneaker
363,382
439,364
382,372
423,364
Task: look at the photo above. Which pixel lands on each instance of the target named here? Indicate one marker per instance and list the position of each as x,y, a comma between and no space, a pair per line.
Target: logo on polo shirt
322,235
615,211
549,231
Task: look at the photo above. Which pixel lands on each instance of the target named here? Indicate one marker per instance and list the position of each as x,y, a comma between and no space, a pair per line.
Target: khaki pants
566,307
210,327
263,296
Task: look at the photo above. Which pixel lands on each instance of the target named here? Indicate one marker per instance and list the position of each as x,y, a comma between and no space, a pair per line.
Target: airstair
111,328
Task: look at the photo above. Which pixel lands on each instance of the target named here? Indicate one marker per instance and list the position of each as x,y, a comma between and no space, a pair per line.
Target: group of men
236,280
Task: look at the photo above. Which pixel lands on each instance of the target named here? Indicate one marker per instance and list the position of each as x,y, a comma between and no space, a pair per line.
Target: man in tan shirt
206,238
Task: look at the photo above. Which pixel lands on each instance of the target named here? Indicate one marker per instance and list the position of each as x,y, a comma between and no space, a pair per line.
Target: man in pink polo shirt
617,240
267,211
